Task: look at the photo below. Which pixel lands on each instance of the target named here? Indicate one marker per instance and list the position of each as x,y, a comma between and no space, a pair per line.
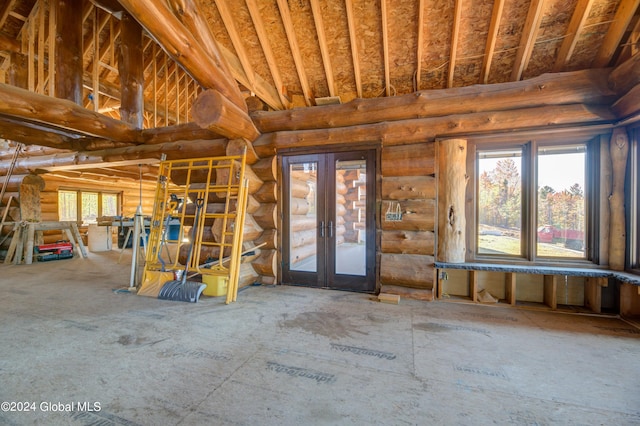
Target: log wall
408,216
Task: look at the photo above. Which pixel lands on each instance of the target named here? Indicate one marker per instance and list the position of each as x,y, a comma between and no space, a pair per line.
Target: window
531,201
86,206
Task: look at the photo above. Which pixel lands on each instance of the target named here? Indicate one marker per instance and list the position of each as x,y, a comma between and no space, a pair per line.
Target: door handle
321,229
330,229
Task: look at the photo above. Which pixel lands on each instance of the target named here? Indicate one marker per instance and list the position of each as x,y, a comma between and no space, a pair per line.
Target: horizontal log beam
579,87
104,158
428,129
214,112
24,105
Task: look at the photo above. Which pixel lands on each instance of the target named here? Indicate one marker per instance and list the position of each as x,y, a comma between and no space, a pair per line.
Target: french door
329,220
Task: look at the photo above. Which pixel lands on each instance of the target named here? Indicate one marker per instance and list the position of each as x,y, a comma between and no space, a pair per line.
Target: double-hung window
534,202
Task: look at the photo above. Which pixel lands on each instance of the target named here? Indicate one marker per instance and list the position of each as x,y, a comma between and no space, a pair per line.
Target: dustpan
182,290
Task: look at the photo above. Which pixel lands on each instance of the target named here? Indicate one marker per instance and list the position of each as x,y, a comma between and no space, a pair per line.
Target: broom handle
194,233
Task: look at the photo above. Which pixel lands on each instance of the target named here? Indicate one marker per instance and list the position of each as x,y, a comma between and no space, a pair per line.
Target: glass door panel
303,217
350,217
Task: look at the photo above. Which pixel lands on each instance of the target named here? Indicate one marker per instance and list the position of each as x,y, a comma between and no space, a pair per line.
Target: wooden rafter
528,39
268,52
632,45
285,15
455,32
5,10
420,43
578,19
492,36
324,48
236,40
354,47
621,20
385,47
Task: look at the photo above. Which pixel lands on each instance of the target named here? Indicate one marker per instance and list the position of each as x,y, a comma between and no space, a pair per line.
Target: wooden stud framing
473,285
510,288
631,47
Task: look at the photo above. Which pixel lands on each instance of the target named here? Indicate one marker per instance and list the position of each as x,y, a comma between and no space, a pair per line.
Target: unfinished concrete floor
297,356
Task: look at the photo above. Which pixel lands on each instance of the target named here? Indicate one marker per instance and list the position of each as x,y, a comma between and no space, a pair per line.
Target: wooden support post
68,52
131,72
473,285
510,288
452,180
28,251
17,235
619,148
550,291
593,293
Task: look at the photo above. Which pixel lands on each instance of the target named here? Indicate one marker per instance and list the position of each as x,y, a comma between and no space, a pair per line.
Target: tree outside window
557,177
86,206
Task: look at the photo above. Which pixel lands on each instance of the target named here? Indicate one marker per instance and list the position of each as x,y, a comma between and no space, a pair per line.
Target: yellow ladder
219,184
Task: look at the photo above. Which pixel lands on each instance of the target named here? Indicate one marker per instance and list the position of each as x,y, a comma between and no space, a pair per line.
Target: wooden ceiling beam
528,39
185,47
5,10
64,114
632,46
492,37
236,41
578,19
285,15
324,48
589,87
385,47
263,38
354,47
455,33
621,20
419,46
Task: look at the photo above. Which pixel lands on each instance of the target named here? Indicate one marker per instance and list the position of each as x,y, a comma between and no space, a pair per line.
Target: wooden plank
419,44
385,47
510,287
263,38
455,33
354,46
492,36
529,36
550,290
324,47
473,285
17,231
393,299
285,15
578,20
236,41
621,20
593,293
76,233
